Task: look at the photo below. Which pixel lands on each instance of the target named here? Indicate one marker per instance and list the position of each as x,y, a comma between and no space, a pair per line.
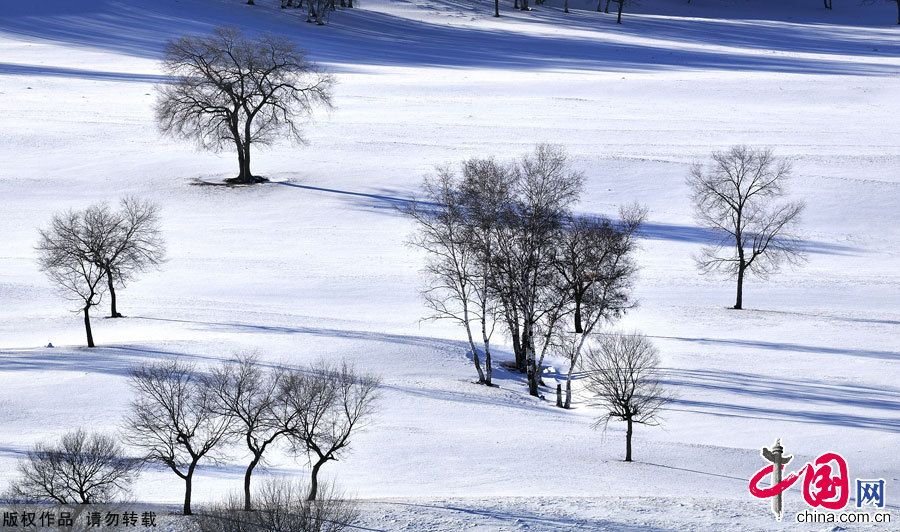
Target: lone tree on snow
230,89
738,196
622,374
65,255
173,419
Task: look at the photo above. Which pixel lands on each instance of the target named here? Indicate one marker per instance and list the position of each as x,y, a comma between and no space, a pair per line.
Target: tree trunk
241,164
87,326
531,363
248,505
559,402
739,300
578,328
521,355
606,9
488,371
314,480
496,8
475,357
245,171
898,11
113,312
188,481
566,6
568,402
619,16
628,433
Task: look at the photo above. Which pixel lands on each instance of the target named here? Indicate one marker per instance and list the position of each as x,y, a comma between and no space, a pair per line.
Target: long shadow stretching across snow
788,392
393,201
787,346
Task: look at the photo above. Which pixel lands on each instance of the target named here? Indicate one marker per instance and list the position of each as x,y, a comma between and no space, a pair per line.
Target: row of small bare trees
505,249
181,417
91,252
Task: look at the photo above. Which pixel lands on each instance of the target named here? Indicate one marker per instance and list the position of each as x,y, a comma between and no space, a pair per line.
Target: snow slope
314,265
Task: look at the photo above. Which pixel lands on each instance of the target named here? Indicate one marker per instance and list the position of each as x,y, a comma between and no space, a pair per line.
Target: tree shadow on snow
789,393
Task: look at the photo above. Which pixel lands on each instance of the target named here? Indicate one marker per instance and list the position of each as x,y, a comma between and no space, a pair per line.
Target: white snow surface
314,265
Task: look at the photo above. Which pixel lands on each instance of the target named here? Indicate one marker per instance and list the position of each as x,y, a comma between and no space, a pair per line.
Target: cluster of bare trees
181,416
231,90
504,249
91,252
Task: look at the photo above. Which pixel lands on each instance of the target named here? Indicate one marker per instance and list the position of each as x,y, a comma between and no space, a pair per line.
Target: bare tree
457,266
124,242
738,196
251,396
331,404
173,420
82,468
620,6
623,376
230,89
595,263
65,255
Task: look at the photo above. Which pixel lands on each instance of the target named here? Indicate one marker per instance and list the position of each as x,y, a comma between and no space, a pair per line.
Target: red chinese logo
825,480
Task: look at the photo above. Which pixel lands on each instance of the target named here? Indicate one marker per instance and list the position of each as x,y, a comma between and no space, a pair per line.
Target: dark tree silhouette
330,405
738,196
623,376
65,254
126,242
251,396
173,419
82,468
229,89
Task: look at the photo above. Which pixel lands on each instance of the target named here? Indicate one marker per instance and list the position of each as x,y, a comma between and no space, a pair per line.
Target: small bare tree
82,468
331,404
230,89
623,376
251,396
65,254
124,242
739,196
458,273
173,420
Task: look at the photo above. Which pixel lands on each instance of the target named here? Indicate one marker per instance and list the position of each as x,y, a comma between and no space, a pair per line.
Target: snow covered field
314,265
